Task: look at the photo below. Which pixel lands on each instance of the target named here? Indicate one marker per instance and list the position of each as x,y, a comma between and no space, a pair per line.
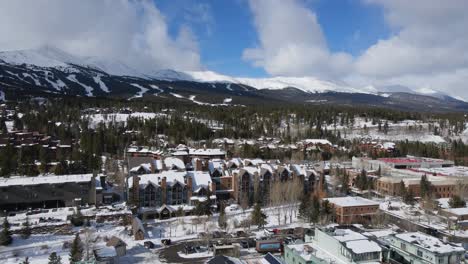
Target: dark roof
272,259
220,260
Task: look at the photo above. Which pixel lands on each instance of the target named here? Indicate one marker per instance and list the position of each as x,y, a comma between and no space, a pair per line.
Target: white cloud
428,47
291,41
134,32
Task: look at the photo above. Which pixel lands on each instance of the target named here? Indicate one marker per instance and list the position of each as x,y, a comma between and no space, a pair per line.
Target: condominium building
419,248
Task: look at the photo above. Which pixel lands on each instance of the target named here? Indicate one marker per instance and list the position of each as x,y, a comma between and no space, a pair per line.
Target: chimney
153,166
213,188
235,193
163,190
136,190
189,188
198,165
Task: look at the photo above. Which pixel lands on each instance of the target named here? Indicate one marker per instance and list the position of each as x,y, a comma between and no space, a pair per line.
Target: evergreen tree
425,187
314,211
304,207
76,251
257,217
222,221
326,210
77,218
402,189
26,230
456,202
345,183
54,258
5,235
409,197
361,181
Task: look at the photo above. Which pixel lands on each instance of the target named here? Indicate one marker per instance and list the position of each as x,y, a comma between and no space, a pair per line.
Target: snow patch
89,89
102,85
142,91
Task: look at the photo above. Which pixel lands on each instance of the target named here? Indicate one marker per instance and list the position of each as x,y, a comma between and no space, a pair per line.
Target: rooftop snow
344,235
363,246
457,211
207,152
429,243
351,201
22,181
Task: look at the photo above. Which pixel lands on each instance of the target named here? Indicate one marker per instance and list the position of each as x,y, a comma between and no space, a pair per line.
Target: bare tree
88,242
293,194
276,198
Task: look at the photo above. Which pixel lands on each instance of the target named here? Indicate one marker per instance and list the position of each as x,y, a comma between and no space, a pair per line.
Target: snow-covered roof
215,164
344,235
207,152
52,179
144,166
180,153
199,179
317,141
363,246
351,201
171,163
311,251
253,162
429,243
155,178
250,170
457,211
105,252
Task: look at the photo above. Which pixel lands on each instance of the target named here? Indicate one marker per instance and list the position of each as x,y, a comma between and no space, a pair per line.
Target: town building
50,191
160,195
419,248
333,245
442,187
352,210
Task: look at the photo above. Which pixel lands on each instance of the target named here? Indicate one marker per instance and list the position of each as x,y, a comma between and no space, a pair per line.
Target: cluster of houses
271,143
161,185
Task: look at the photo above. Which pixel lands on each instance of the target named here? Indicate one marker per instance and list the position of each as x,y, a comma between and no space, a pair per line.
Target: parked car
244,244
166,242
241,233
188,249
216,234
148,244
252,242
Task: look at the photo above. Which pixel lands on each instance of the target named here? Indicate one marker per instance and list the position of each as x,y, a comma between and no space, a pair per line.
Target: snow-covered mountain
50,70
48,56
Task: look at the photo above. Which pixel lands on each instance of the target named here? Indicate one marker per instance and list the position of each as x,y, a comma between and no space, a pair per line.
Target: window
419,252
403,246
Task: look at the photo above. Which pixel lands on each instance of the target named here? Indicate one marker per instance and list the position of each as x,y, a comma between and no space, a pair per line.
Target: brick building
353,210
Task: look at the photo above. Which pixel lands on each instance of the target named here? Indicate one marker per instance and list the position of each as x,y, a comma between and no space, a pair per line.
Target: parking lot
203,245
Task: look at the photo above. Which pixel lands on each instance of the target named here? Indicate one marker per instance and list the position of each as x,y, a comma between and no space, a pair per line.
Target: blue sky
349,26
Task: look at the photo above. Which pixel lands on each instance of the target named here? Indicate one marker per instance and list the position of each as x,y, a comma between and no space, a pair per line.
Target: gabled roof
172,163
115,242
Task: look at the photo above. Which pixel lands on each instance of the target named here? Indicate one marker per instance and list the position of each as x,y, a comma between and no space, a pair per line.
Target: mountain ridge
51,71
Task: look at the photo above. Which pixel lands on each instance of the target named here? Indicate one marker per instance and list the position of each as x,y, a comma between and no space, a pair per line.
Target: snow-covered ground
96,119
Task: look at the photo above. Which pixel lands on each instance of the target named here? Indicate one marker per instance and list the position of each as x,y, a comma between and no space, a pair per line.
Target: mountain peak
44,56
